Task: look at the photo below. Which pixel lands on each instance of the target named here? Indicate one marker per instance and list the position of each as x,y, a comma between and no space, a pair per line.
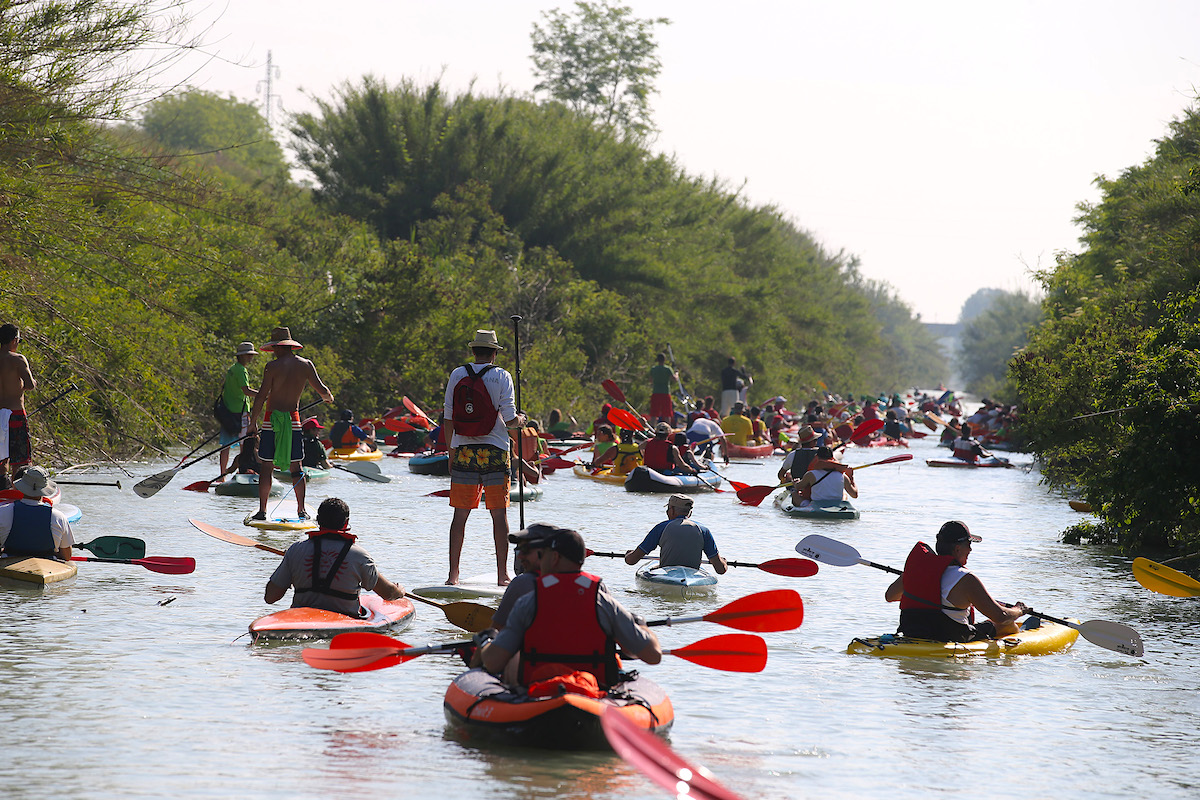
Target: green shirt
237,378
660,379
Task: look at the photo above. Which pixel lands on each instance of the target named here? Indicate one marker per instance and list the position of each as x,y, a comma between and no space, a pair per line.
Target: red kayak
317,623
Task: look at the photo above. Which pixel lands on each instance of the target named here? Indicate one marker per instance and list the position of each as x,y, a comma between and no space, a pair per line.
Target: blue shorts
266,445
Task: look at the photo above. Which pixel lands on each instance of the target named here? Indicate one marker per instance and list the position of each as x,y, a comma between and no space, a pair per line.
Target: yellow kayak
1049,638
354,454
37,570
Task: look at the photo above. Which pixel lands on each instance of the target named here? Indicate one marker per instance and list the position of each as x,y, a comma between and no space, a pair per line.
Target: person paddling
345,435
681,542
328,569
938,595
818,485
661,454
31,527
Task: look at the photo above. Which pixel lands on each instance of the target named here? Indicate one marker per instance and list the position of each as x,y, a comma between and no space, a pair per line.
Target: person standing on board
237,396
31,527
280,440
938,595
329,568
662,409
479,410
568,623
680,541
730,391
16,379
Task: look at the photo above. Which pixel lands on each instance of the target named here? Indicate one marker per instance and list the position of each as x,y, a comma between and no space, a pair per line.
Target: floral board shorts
479,469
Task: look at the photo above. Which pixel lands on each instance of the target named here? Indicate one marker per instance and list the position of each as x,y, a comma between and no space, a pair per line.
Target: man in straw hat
478,409
31,527
237,396
281,440
796,462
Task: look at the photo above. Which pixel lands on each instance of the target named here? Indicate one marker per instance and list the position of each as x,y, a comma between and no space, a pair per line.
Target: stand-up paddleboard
477,586
281,524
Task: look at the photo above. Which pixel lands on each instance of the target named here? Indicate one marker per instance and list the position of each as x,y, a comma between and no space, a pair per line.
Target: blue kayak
430,464
676,577
644,479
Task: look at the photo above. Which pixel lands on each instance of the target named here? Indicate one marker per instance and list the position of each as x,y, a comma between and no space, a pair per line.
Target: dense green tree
990,337
601,61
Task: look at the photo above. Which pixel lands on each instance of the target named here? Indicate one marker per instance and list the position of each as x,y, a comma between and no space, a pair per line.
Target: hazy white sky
944,143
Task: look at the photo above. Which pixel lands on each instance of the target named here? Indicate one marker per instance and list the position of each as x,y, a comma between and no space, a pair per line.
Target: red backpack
474,414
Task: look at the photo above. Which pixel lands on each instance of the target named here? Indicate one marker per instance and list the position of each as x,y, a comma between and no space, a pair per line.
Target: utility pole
265,88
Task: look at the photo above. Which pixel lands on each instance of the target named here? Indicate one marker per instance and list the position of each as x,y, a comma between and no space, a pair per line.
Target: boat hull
316,623
644,479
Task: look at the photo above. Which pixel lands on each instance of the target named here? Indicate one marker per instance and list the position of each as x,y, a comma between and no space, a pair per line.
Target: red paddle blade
866,429
414,408
730,652
396,426
364,639
613,390
351,660
658,762
624,419
790,567
754,495
198,486
554,462
737,486
168,565
763,612
438,493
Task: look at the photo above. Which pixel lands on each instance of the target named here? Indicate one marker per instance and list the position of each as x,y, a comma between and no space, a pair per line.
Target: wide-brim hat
281,335
36,483
485,339
807,434
246,349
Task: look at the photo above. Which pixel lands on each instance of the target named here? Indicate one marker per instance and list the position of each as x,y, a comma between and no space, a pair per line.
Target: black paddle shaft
516,320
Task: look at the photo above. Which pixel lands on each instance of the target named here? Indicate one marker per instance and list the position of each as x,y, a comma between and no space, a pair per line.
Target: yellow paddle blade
1164,580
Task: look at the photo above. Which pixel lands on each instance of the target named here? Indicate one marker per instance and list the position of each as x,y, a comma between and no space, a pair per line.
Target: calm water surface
107,693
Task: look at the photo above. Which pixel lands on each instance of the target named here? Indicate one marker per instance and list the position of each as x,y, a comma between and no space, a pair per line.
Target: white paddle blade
1112,636
366,471
828,551
148,487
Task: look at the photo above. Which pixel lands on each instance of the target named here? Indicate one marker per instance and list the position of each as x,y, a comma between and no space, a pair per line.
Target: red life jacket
923,580
473,411
565,634
657,454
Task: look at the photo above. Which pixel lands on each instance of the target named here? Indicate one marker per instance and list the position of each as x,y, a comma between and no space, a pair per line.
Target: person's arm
260,399
387,590
314,380
719,564
27,374
273,593
848,485
648,544
634,556
969,591
894,592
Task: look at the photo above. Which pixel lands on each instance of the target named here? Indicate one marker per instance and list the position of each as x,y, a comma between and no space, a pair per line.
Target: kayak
281,524
41,571
819,509
994,461
749,450
532,492
310,474
354,454
604,474
477,586
73,514
882,441
243,486
644,479
430,464
676,577
317,623
479,705
1049,638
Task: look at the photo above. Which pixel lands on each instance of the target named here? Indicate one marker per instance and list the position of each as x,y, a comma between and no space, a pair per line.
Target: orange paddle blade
554,462
352,659
762,612
198,486
223,535
731,652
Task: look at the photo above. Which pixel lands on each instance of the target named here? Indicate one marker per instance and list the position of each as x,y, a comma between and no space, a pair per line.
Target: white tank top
950,578
828,488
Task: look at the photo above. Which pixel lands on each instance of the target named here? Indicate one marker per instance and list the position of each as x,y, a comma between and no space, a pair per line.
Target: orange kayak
317,623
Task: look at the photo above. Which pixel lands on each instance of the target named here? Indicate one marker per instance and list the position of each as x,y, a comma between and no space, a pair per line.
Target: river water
108,693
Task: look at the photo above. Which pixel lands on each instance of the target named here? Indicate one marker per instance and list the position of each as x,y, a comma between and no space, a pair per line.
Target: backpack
231,421
474,414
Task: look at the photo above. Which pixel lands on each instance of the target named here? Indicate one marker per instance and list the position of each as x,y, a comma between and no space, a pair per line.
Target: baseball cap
680,502
533,534
662,428
954,532
311,423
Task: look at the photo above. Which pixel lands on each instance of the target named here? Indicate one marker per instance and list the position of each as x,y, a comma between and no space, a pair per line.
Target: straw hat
246,349
485,339
807,434
281,335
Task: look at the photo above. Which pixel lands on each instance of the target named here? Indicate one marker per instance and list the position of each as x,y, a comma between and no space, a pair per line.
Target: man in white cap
479,410
31,527
236,397
680,541
281,442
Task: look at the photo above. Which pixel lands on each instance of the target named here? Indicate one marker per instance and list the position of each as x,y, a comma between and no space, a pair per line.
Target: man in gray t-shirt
342,570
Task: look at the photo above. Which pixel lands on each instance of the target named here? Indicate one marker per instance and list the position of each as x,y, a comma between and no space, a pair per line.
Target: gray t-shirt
614,619
357,571
518,587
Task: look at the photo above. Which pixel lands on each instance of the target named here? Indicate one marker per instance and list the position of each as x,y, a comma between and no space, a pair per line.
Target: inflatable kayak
477,586
882,441
281,524
1049,638
749,450
317,623
676,577
479,705
243,486
430,464
533,491
604,474
354,454
37,570
819,509
644,479
994,461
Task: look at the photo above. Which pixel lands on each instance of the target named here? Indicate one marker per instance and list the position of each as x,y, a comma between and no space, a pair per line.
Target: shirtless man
284,380
15,380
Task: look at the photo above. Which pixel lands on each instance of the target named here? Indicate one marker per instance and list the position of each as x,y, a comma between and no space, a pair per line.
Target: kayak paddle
365,470
729,652
787,567
762,612
1102,633
623,419
658,762
557,462
754,495
438,493
164,564
1164,580
110,547
88,483
472,617
615,393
